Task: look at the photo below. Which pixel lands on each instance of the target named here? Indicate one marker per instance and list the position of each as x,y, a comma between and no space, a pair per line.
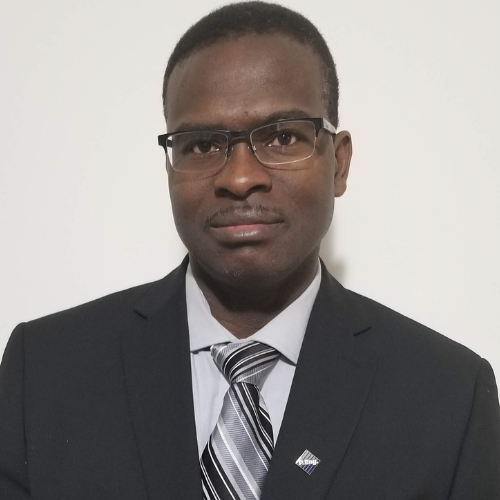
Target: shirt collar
285,332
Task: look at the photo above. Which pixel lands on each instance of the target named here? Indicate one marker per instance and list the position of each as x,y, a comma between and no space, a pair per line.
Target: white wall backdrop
84,208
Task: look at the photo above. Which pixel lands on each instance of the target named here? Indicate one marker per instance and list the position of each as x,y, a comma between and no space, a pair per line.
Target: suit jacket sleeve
14,482
478,470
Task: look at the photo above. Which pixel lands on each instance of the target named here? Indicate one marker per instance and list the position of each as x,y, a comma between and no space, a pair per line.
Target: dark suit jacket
96,403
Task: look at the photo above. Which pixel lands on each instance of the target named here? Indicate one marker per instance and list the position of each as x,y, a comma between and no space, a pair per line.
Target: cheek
324,188
322,206
185,198
311,192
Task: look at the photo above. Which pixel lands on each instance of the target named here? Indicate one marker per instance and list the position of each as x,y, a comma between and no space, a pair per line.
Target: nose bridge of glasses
238,137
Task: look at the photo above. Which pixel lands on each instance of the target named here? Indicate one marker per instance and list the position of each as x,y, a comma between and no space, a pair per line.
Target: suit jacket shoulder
394,334
102,316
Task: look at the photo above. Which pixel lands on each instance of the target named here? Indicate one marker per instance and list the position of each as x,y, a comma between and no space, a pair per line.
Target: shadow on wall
336,266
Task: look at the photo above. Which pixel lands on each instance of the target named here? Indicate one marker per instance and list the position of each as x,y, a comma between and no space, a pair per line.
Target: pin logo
307,462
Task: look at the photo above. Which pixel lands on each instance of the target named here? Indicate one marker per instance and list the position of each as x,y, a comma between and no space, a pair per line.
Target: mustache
245,212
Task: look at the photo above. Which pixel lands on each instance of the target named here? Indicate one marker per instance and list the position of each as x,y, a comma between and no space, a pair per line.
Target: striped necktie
236,458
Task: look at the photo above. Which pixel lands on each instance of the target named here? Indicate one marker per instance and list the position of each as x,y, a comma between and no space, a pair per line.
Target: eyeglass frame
319,124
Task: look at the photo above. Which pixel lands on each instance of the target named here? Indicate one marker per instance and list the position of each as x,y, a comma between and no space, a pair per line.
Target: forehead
236,83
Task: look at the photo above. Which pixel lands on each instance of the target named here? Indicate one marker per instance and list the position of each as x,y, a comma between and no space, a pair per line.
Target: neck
243,309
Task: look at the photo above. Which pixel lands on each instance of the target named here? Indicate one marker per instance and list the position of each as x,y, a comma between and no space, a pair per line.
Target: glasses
282,144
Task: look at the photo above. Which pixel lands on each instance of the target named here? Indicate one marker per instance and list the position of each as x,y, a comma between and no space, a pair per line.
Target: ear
343,153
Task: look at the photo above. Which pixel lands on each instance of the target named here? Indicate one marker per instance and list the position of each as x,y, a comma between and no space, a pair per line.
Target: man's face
249,223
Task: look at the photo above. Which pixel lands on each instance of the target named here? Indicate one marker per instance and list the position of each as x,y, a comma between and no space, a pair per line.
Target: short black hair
243,18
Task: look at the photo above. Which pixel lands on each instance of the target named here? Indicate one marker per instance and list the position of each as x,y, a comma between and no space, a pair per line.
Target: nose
242,174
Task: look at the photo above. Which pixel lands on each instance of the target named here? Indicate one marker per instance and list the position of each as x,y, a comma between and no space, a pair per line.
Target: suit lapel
157,368
329,390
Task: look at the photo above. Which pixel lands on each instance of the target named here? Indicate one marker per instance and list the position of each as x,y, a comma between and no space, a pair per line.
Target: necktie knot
244,361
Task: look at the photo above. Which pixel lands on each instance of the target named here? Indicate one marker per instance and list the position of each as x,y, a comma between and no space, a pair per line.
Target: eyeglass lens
279,143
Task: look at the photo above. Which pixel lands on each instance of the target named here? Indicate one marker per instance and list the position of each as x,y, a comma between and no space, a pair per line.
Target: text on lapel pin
307,462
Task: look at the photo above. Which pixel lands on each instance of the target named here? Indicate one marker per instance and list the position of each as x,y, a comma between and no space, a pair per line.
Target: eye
205,147
283,138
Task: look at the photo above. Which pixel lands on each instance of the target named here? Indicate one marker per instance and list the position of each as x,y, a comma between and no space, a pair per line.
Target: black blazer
96,404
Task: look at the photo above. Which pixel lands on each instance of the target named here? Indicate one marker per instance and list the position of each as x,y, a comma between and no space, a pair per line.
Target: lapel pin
307,462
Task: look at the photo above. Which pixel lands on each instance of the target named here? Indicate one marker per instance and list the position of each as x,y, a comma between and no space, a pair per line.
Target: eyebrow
273,117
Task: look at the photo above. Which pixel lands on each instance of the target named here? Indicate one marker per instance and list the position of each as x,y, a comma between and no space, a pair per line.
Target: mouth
243,225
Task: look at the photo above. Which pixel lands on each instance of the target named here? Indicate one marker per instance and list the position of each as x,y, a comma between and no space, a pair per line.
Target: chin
242,268
251,273
256,274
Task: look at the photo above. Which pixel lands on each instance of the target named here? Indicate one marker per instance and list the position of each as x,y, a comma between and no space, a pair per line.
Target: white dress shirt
285,333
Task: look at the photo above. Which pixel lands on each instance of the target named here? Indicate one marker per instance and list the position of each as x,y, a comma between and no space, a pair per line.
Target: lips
243,226
236,216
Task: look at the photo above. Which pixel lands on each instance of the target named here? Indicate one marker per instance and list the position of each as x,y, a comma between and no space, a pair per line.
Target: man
248,372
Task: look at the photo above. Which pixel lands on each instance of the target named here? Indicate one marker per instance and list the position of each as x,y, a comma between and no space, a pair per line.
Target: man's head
245,18
250,224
